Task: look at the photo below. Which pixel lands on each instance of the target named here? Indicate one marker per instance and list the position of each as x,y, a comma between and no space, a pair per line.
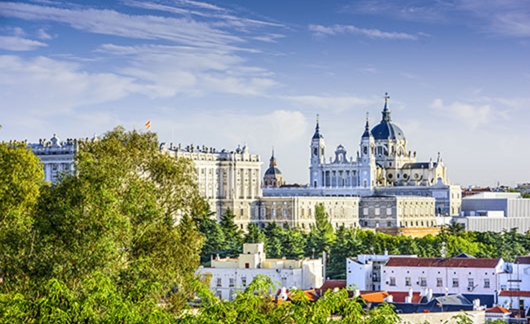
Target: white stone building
397,211
364,271
231,275
300,211
464,275
56,156
227,179
383,165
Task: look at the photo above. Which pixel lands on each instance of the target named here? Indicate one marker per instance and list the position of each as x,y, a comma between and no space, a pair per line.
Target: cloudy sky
223,73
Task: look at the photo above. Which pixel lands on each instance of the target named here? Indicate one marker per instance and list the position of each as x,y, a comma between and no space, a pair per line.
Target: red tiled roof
442,263
523,259
399,296
497,309
331,284
514,293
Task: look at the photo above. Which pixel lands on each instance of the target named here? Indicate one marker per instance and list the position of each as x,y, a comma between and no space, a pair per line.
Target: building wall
228,179
494,224
56,156
231,275
441,279
299,211
392,211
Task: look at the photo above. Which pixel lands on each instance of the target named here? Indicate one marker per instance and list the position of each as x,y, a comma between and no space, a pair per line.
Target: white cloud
169,70
320,30
471,115
43,86
109,22
42,34
14,43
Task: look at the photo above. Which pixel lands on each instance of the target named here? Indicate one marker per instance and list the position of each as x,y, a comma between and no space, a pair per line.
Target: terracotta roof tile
497,309
399,296
375,297
442,263
332,284
514,293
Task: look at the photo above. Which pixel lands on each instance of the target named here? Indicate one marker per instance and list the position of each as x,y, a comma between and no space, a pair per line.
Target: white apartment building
364,271
231,275
464,275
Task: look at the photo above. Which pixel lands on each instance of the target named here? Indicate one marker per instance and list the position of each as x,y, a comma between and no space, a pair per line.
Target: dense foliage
103,245
119,242
345,242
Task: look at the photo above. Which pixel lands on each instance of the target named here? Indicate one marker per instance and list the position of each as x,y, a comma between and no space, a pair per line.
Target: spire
317,134
366,127
386,111
272,162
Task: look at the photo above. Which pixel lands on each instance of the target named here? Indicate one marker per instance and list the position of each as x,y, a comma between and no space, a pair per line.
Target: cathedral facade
382,166
382,160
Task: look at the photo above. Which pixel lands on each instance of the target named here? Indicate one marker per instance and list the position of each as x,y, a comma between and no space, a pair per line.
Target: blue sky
224,73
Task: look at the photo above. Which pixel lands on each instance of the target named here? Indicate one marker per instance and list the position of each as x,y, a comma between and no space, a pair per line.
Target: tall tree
254,234
275,238
21,176
233,235
119,216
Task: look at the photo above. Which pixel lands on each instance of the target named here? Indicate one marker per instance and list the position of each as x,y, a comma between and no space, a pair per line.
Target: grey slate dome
386,130
273,171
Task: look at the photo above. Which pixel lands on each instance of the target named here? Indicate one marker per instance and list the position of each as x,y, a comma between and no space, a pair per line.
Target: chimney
429,294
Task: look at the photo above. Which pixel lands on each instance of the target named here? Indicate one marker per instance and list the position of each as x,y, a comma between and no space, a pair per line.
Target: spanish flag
148,124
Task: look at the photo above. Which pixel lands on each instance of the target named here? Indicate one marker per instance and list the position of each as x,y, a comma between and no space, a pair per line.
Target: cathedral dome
273,171
386,130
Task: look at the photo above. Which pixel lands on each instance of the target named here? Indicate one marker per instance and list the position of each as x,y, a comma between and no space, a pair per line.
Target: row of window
231,282
422,281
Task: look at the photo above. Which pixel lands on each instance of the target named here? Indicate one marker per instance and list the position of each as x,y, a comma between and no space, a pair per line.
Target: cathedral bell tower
367,166
317,157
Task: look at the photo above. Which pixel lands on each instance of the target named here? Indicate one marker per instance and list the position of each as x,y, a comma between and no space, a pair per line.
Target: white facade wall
516,278
56,156
300,211
494,224
225,282
358,275
228,180
442,280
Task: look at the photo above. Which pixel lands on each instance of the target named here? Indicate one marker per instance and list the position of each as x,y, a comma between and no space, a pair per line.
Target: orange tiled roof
497,309
375,297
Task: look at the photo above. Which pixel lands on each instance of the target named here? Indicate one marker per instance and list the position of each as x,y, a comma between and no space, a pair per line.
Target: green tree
129,213
294,243
321,236
233,235
254,234
21,177
346,245
275,239
215,242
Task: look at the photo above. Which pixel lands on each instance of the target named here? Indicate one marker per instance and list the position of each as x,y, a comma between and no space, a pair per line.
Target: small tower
273,177
367,166
317,157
